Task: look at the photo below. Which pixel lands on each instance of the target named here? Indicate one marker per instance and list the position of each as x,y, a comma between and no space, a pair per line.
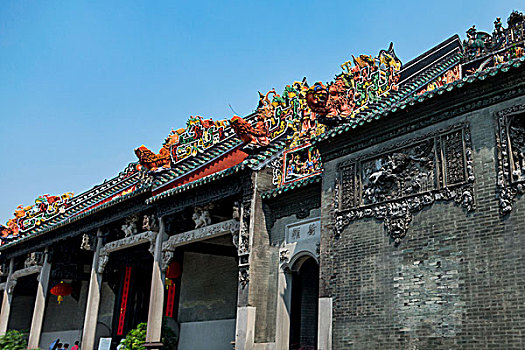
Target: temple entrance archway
304,304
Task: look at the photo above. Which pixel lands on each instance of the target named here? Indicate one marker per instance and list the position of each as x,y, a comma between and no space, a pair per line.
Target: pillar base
153,346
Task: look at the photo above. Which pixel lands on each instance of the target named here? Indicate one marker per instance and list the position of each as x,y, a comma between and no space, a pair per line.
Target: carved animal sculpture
201,218
152,161
248,134
149,223
21,211
51,199
10,230
67,195
478,42
130,226
389,58
363,60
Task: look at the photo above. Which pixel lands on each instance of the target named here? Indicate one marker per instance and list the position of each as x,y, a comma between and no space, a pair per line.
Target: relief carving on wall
395,183
243,249
510,138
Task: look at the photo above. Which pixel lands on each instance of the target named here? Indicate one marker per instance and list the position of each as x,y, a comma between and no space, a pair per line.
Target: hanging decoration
61,290
173,272
124,301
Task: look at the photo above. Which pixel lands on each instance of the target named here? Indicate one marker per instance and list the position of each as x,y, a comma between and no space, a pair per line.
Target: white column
324,325
6,301
40,303
245,328
284,296
93,301
156,299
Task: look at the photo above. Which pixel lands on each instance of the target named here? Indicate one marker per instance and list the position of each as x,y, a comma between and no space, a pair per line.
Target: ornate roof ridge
411,100
294,123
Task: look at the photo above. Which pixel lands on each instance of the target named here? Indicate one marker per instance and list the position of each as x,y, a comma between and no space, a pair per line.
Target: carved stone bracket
13,278
277,170
391,186
102,262
510,140
167,256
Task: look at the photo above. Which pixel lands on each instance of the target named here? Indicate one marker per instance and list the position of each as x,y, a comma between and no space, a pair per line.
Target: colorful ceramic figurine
152,161
257,135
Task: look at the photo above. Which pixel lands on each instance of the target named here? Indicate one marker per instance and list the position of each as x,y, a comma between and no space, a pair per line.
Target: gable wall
456,280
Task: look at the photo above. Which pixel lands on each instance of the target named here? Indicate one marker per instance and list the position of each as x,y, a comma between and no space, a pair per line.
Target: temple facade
381,210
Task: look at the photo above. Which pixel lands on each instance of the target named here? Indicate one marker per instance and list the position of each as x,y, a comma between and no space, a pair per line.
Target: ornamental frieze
397,182
510,139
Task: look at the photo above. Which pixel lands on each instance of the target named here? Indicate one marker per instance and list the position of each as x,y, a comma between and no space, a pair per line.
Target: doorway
304,305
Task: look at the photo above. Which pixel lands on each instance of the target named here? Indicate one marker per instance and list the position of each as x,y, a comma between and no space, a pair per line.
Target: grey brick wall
263,276
457,280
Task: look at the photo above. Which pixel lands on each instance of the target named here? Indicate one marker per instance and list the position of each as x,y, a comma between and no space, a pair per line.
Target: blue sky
82,83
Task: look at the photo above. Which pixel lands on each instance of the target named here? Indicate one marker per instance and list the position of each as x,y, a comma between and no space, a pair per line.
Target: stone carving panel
150,223
34,259
407,171
510,138
244,239
130,227
393,184
301,238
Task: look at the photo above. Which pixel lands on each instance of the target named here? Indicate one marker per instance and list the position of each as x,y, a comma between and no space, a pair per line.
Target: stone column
6,301
284,296
244,328
40,303
156,299
324,326
93,301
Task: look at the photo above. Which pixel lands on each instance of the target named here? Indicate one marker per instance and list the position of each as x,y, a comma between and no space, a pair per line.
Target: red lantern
61,290
173,272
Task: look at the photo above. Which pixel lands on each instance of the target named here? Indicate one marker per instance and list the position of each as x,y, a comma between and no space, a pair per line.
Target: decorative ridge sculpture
26,218
483,50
